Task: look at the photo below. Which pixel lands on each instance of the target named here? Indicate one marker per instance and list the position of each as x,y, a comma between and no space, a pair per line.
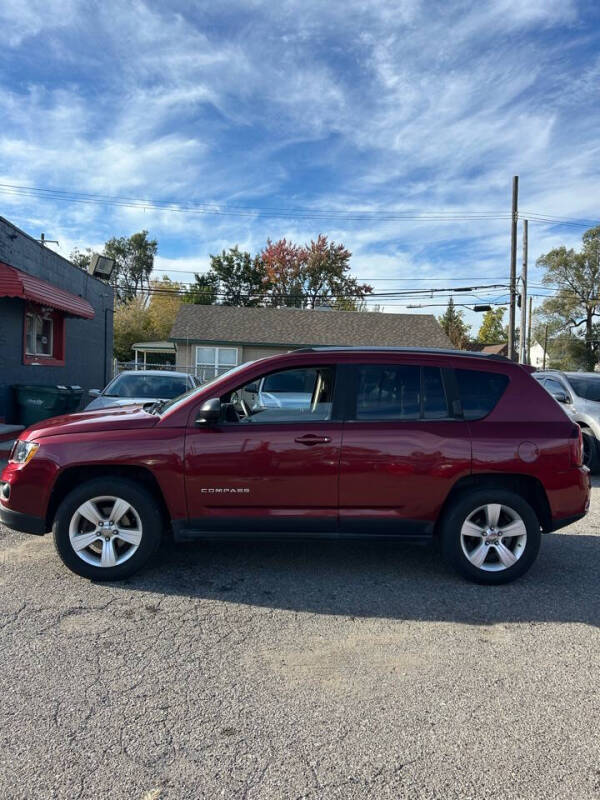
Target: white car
579,395
280,390
141,387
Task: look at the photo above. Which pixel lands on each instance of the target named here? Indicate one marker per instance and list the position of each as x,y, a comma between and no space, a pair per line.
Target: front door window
292,395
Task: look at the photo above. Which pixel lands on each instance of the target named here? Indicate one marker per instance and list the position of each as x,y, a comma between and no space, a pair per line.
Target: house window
39,334
43,336
212,361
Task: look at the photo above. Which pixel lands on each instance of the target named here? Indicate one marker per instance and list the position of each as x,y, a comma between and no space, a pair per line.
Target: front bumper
25,523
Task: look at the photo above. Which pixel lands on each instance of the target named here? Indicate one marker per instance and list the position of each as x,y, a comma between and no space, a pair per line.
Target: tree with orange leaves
309,275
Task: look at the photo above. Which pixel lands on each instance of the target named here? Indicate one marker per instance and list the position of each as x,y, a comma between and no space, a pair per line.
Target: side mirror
252,388
561,397
209,412
94,392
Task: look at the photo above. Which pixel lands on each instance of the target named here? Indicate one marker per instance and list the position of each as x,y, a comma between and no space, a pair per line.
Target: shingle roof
495,349
272,326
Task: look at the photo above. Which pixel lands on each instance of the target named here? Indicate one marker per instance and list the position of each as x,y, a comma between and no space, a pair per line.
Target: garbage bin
36,403
74,398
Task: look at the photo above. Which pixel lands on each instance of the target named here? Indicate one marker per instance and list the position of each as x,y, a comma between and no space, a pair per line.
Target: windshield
173,403
588,388
148,387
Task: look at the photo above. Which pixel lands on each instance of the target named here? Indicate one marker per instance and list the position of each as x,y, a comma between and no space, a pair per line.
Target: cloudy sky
374,112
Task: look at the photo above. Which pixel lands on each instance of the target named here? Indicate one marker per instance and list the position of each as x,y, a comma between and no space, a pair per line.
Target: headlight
23,452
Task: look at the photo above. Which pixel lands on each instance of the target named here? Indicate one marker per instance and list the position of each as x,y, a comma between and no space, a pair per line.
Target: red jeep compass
338,442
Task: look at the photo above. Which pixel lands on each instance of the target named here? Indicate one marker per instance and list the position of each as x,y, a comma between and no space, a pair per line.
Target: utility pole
529,330
522,335
545,345
512,354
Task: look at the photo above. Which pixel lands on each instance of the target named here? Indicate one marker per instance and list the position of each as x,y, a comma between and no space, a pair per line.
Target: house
56,320
491,349
537,357
212,339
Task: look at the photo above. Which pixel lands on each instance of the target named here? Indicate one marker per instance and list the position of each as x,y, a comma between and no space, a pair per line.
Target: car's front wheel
107,529
591,457
490,536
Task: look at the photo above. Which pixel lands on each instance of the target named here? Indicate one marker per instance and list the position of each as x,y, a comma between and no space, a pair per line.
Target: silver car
140,387
281,390
579,394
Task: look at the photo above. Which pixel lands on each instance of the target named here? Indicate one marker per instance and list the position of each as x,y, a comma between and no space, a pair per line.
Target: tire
591,457
505,558
87,543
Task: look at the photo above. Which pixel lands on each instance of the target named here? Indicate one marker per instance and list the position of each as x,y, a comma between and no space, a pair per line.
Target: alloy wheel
493,537
105,531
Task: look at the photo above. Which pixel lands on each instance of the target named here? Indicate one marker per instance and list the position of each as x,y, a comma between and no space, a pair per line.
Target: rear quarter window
479,391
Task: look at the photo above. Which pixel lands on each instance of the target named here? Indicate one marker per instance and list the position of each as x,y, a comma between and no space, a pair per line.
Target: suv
414,444
579,393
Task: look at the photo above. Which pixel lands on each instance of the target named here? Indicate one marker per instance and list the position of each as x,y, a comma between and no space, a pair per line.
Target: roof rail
427,350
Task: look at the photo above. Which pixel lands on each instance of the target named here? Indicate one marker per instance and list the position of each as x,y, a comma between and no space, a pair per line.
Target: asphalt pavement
300,670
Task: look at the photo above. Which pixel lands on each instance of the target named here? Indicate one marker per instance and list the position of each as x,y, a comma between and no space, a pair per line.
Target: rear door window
400,392
435,404
479,391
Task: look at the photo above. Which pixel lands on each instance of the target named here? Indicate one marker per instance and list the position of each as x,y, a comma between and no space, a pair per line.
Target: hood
106,401
110,419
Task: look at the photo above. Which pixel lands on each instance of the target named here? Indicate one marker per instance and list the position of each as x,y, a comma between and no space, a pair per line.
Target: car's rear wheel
490,536
107,529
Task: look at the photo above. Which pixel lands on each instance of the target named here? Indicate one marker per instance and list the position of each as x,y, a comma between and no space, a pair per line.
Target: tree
574,309
165,302
203,291
565,350
134,261
325,271
131,324
492,330
81,258
283,262
240,277
303,276
146,317
454,326
353,304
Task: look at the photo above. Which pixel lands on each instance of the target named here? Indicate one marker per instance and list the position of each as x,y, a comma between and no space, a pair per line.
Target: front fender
587,421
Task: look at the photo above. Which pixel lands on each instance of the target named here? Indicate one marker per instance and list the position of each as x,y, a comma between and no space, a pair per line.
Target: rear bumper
25,523
557,524
570,499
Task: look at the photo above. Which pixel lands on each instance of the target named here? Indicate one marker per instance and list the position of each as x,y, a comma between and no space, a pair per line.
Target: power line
221,209
246,211
371,278
163,290
456,305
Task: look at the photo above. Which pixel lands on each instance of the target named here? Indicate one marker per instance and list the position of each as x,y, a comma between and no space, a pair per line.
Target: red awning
14,283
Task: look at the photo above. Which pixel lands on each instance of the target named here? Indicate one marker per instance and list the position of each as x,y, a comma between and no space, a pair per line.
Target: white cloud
387,105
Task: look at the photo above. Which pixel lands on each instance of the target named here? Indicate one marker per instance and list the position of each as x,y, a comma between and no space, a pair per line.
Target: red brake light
576,447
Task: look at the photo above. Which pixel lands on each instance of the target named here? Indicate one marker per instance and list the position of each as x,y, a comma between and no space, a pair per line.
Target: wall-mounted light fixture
101,266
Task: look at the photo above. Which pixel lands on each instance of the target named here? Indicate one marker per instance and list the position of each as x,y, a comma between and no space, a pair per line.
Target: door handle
311,438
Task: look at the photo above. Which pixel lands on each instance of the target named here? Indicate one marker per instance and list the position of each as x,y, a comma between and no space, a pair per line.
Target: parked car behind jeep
392,443
579,394
141,386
